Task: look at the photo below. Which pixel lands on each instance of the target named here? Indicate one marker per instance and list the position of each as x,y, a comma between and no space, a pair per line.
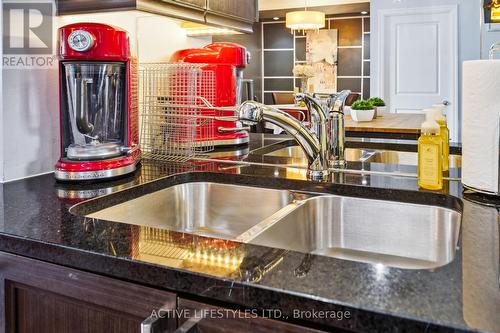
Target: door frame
382,17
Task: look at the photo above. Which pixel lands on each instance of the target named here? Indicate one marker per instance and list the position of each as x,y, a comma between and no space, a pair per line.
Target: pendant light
305,19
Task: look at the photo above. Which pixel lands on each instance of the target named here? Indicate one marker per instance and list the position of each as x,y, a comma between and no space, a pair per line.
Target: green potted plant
362,111
379,105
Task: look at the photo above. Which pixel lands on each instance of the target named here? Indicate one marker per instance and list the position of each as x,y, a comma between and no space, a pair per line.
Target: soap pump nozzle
430,126
440,108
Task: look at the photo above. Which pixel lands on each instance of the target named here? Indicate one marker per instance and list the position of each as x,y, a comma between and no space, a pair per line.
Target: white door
419,60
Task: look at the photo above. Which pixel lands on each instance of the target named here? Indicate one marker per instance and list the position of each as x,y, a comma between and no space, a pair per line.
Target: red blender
98,103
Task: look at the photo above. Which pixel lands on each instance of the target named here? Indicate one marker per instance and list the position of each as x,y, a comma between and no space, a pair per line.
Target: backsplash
283,50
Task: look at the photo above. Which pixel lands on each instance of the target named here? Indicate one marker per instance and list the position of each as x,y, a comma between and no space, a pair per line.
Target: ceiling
284,4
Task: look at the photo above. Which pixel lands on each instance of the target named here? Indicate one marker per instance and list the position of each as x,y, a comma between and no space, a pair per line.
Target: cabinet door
198,317
65,7
193,3
46,298
241,9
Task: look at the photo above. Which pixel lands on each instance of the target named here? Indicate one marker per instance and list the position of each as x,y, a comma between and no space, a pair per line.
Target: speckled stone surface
394,144
461,296
261,146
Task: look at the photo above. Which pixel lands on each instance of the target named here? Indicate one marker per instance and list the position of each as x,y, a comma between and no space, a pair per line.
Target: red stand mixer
227,61
98,103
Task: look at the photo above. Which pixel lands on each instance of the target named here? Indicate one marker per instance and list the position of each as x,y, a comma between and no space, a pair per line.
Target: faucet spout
251,112
319,121
336,121
336,102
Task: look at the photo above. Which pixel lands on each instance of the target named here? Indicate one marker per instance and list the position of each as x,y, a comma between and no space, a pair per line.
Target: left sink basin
201,208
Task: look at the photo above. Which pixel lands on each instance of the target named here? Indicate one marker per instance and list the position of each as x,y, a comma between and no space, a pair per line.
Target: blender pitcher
94,94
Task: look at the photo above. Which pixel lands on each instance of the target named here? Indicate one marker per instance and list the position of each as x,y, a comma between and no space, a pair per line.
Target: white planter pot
362,115
381,110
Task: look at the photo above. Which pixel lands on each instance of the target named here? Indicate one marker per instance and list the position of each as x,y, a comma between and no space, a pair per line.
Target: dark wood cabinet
202,4
65,7
211,319
246,10
235,14
190,10
45,298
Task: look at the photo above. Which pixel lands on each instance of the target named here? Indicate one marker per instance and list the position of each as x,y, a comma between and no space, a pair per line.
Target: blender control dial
80,40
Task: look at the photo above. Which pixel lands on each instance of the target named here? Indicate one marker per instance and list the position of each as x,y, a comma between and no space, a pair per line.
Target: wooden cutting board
389,123
400,123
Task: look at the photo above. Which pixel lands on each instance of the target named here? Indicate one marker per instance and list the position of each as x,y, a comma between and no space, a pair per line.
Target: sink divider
265,224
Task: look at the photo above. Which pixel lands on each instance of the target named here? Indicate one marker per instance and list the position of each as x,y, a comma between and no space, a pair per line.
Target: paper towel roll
480,124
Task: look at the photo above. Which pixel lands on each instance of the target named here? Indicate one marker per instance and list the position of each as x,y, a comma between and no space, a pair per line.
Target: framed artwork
321,53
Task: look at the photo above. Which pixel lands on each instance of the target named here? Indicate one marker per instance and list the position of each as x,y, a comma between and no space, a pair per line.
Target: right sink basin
391,233
297,156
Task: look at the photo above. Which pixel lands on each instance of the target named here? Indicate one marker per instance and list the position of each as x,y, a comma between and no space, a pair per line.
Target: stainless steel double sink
396,234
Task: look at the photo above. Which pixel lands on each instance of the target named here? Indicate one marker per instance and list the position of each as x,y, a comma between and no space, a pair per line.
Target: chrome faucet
336,122
323,144
313,144
319,121
327,116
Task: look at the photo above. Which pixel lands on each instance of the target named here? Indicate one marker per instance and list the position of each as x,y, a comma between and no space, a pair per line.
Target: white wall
155,46
1,106
153,38
468,34
30,130
29,112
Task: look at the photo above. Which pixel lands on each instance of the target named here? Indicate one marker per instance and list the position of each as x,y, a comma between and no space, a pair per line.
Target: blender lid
94,151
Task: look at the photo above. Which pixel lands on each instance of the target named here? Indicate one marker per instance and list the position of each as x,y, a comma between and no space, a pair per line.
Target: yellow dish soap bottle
430,154
445,134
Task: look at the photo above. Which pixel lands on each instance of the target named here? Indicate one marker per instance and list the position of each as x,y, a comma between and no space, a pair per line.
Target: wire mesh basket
176,101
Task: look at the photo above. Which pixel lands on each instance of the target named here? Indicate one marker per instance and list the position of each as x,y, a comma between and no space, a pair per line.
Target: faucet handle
337,101
324,99
299,97
312,103
250,112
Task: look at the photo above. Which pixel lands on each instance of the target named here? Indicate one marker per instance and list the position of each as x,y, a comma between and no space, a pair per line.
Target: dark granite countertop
393,144
258,152
259,140
461,296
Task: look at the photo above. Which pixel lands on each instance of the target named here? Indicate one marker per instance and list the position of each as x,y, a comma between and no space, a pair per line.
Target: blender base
94,175
96,170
